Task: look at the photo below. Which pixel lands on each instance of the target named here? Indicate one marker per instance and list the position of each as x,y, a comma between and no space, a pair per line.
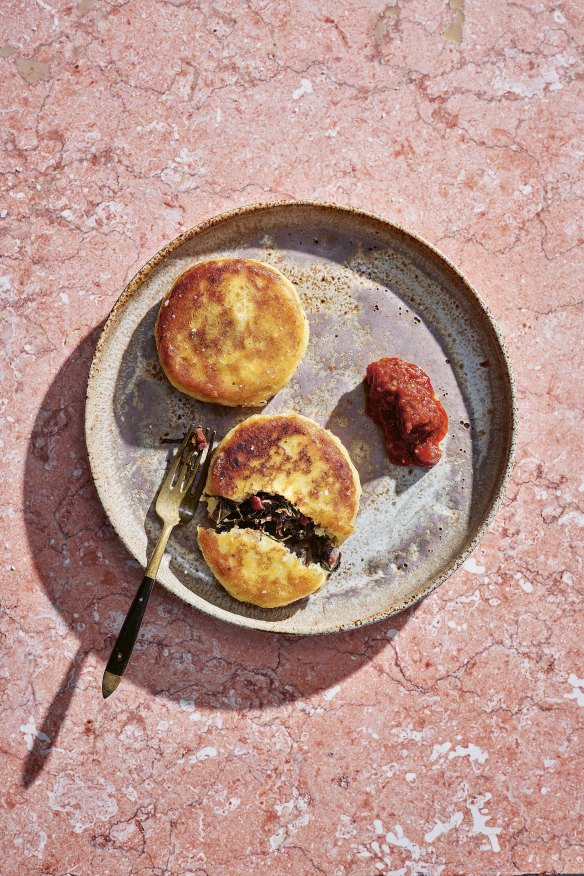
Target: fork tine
188,482
194,497
189,458
169,479
190,466
188,470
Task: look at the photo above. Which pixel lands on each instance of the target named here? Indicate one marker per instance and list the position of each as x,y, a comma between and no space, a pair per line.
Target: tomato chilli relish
400,398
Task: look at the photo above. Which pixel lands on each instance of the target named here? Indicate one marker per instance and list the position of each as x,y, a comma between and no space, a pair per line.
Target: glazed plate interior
369,289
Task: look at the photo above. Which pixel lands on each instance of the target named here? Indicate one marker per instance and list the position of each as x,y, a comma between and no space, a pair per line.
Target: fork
176,504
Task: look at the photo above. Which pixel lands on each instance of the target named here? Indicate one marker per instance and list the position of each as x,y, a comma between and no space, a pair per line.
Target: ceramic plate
369,289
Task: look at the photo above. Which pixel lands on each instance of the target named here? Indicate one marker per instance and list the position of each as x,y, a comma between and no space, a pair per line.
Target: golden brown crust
231,331
294,457
254,568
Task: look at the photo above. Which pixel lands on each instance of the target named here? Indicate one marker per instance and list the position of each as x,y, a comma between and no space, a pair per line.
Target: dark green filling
282,521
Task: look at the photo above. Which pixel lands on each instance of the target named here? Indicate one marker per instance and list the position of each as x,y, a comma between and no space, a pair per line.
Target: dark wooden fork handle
127,638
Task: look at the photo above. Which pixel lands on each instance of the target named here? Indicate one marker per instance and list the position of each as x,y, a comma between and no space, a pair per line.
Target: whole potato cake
231,331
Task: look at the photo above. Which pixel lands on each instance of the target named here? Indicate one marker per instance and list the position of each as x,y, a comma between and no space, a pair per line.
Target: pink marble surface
447,741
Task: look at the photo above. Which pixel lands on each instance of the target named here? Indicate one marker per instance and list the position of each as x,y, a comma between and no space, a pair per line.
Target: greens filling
281,520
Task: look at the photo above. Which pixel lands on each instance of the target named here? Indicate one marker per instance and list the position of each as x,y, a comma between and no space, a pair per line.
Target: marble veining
442,742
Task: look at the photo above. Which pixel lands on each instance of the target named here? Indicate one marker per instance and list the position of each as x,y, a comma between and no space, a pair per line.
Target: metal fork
176,503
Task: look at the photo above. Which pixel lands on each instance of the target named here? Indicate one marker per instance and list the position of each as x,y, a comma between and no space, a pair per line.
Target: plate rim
136,282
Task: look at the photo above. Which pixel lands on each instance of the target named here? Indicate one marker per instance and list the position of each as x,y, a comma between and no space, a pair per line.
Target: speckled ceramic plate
370,289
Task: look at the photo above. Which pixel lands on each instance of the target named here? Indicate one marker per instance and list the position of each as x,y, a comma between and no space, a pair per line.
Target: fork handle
127,636
122,650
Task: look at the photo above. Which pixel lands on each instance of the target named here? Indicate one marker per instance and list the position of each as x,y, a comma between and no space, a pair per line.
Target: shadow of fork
46,737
